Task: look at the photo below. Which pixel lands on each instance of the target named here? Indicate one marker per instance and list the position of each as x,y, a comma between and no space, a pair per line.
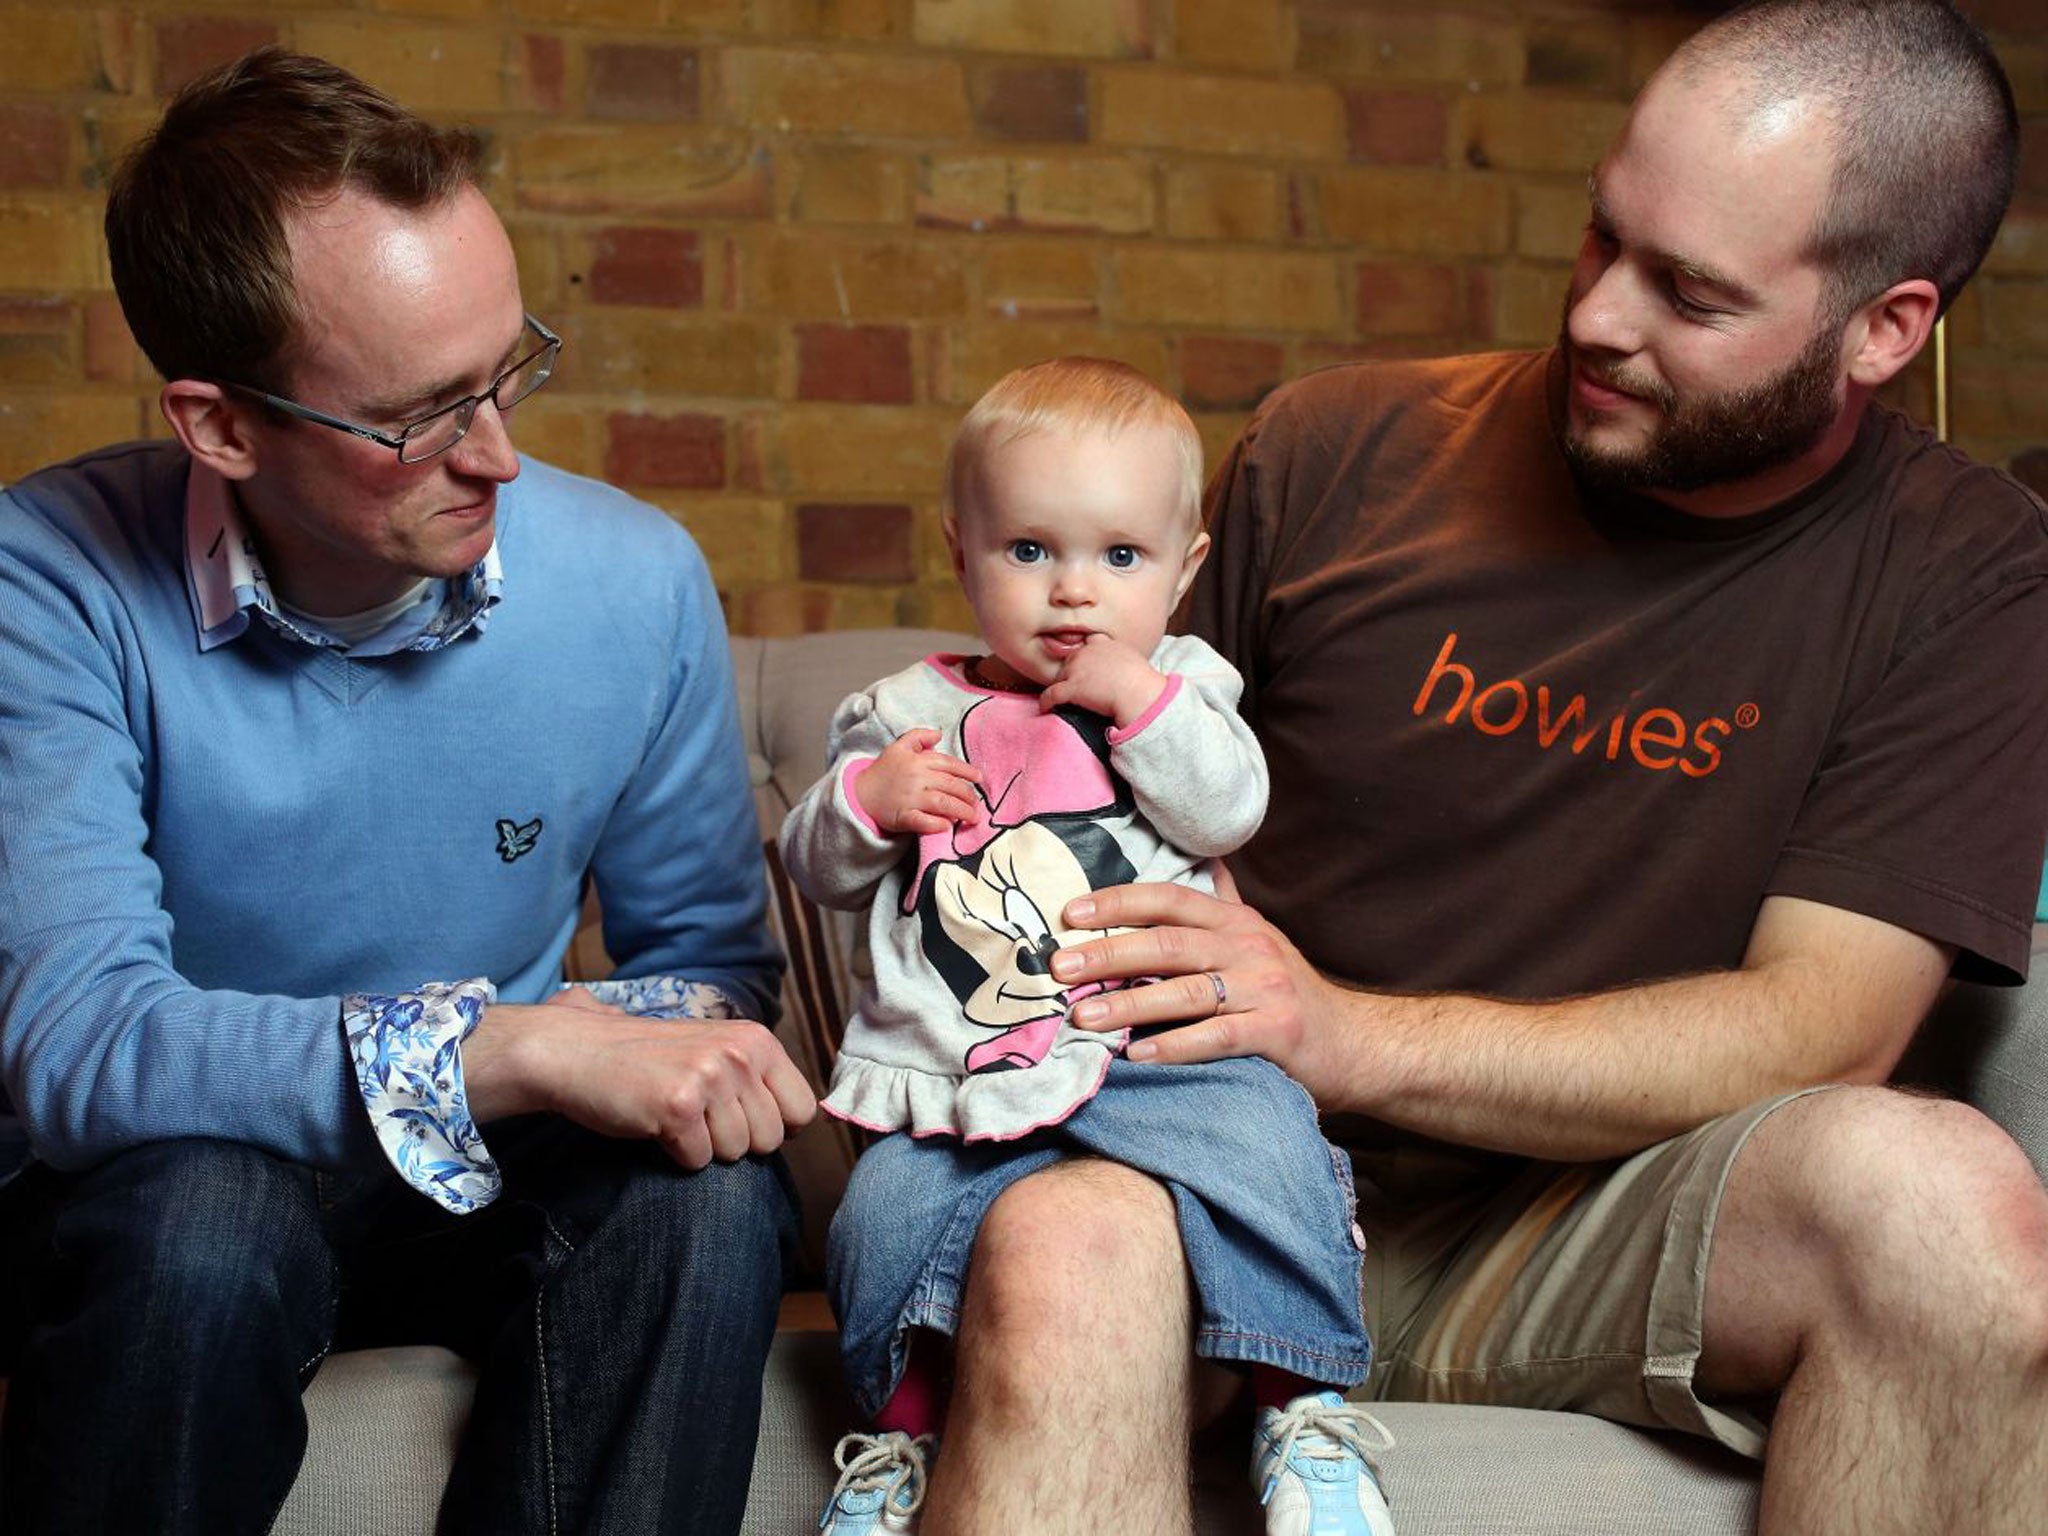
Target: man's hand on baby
1109,677
912,788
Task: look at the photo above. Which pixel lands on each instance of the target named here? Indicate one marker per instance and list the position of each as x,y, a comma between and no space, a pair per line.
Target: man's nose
1606,309
486,451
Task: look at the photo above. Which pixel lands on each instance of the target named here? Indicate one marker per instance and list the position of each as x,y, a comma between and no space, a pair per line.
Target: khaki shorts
1546,1285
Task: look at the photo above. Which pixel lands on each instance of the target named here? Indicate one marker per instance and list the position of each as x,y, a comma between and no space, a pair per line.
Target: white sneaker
1316,1471
881,1484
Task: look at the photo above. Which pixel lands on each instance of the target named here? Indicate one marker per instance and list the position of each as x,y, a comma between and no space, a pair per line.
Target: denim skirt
1264,1204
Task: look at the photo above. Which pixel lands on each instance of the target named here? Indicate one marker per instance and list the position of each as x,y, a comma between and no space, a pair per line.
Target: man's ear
1887,333
1191,562
213,426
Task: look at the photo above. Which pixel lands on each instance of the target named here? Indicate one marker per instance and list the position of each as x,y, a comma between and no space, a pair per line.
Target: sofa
383,1422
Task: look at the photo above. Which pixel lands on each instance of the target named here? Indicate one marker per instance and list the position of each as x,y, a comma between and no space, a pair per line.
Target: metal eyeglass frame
551,347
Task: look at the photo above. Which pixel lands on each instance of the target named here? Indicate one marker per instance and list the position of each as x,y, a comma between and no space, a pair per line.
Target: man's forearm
1603,1075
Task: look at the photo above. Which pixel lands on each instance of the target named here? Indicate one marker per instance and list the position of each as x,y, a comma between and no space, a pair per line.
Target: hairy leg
1883,1259
1070,1408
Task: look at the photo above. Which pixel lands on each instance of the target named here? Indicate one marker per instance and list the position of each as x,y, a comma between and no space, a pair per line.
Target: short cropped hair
1925,136
196,216
1071,394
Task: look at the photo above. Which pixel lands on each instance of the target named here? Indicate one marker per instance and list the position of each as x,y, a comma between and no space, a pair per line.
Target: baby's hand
1109,677
911,788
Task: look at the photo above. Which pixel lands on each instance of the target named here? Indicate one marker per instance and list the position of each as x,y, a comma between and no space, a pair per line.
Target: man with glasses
314,721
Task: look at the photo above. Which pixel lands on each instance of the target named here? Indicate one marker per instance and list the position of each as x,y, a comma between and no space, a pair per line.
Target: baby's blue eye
1122,557
1027,551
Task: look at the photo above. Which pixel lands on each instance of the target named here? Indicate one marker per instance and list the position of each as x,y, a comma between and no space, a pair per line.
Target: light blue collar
225,579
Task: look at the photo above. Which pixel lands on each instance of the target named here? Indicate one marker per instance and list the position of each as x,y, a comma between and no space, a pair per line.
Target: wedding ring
1222,996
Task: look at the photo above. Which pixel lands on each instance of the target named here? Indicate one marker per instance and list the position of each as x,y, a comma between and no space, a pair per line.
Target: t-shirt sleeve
1930,808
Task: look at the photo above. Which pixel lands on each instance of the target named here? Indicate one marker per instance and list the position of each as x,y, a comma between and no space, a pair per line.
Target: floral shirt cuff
407,1054
668,997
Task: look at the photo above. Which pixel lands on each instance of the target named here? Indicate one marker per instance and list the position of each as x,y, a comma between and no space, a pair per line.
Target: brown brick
1225,290
1219,434
856,452
853,541
38,341
745,540
1528,304
642,81
563,428
1039,279
1235,34
1519,132
981,354
50,248
1651,40
669,354
2005,16
646,15
111,356
1093,194
661,267
684,451
35,145
440,10
1396,127
847,184
1220,114
944,608
1416,212
188,46
2013,311
835,275
1550,218
537,247
1579,57
45,429
1042,102
2022,243
809,90
544,69
781,611
1410,299
1095,28
2033,176
111,126
861,363
1228,372
1374,43
51,49
435,70
867,21
1214,200
1999,400
644,169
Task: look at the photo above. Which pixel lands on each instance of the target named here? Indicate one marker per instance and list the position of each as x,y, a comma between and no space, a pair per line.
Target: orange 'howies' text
1658,739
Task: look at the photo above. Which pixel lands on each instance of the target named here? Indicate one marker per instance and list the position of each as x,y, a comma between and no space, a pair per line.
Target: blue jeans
183,1294
1264,1206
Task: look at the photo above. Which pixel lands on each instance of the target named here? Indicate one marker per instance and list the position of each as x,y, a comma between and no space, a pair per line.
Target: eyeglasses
420,440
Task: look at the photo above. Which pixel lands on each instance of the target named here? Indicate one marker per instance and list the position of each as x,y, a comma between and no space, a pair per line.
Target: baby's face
1066,534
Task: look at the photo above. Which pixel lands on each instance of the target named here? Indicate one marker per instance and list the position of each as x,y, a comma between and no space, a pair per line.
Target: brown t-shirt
1529,744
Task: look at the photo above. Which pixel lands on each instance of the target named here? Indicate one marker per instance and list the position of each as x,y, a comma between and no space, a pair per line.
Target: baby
969,800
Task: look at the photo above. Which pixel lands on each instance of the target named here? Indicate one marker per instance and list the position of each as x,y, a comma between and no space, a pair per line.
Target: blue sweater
202,852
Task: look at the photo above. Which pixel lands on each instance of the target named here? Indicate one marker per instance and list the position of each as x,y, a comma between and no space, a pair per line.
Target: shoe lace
1326,1432
892,1462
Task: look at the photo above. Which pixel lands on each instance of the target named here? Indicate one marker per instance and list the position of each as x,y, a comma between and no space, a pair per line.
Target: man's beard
1709,440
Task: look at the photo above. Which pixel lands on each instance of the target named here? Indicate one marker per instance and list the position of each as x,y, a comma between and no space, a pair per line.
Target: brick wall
790,240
